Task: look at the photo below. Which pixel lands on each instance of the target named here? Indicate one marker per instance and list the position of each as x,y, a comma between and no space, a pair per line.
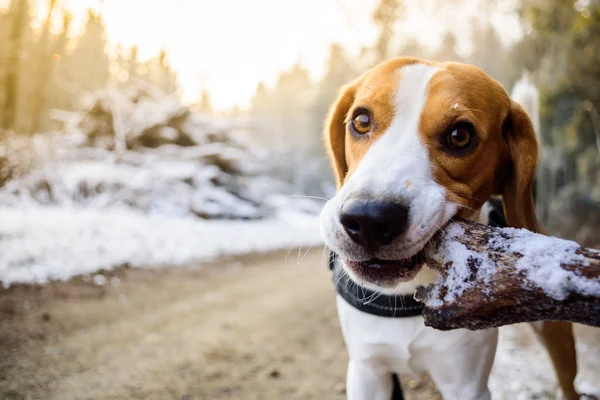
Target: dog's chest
398,344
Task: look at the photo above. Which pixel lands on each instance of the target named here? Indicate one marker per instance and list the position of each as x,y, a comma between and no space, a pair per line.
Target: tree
386,15
570,39
19,23
156,71
37,73
284,111
88,66
133,64
44,64
447,49
160,73
411,48
566,36
205,103
339,72
61,93
488,52
261,100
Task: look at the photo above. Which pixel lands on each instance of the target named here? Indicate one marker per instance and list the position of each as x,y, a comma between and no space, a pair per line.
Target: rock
274,374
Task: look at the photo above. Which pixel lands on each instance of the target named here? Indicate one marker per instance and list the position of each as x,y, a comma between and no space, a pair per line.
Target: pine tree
205,103
261,100
160,73
566,38
44,66
133,64
89,64
411,48
61,95
386,15
19,23
488,52
447,49
339,72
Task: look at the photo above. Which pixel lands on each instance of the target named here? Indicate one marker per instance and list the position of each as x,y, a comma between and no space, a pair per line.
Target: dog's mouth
386,273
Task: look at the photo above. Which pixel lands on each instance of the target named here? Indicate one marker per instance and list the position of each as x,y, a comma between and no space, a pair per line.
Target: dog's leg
458,384
397,393
461,370
560,343
366,382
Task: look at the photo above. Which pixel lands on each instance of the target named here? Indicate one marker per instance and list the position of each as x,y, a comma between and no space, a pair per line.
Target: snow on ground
523,371
40,244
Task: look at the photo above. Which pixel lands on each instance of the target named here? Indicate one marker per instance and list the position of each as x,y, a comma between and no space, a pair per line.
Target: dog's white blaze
398,155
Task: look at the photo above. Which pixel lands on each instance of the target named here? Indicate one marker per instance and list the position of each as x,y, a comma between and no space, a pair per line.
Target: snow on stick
491,277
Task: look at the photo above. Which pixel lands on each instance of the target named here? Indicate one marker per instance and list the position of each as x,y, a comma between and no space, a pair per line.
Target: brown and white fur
403,159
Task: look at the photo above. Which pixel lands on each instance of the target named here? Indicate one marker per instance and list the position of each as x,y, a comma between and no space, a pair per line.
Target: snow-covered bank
136,178
40,244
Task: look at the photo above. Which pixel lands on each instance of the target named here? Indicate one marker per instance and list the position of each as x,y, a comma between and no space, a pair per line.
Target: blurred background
137,134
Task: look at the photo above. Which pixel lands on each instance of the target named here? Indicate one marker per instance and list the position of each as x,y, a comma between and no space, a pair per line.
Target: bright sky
228,46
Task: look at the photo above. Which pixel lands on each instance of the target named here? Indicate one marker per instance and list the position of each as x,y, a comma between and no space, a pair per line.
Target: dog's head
413,144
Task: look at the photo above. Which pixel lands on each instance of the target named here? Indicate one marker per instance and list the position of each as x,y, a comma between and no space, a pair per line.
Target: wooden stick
490,277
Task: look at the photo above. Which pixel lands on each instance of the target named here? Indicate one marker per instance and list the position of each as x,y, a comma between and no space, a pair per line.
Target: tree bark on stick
490,277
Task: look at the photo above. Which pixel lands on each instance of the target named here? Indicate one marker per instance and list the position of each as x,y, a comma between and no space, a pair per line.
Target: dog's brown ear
335,132
517,186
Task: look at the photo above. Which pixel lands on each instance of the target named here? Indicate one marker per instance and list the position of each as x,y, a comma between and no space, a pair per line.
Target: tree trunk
18,18
44,65
499,276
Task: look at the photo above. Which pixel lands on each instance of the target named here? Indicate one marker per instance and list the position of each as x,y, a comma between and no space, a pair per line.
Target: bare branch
498,276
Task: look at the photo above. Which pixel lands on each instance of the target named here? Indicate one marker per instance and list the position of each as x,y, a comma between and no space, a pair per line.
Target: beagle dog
414,143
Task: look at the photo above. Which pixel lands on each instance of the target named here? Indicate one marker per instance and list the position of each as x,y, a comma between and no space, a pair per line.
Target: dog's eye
361,123
460,137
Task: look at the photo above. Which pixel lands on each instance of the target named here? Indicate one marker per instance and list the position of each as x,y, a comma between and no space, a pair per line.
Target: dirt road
247,328
255,327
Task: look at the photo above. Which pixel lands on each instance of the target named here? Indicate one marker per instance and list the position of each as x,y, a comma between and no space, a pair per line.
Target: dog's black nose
372,223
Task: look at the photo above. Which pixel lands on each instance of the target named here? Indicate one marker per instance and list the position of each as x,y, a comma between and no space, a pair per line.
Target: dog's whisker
462,206
349,283
342,275
323,253
309,197
378,296
289,251
307,250
373,297
469,197
367,299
